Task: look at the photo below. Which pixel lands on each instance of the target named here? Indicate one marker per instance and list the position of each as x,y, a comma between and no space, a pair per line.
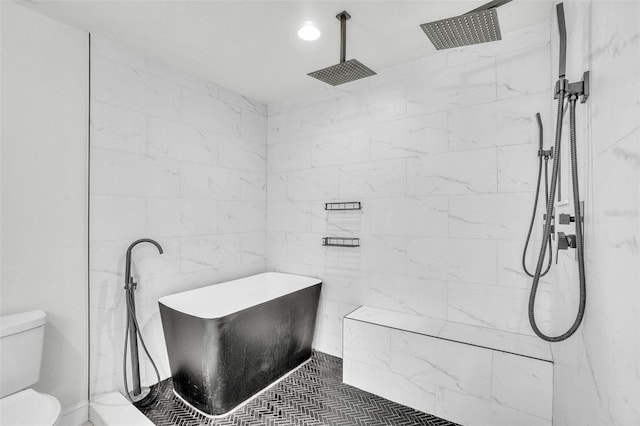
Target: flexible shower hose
547,225
535,202
131,317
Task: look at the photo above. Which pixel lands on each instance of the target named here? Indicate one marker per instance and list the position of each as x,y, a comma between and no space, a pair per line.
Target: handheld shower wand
139,396
542,156
571,91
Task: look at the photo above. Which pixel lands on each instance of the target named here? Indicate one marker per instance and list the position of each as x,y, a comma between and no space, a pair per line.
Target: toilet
21,341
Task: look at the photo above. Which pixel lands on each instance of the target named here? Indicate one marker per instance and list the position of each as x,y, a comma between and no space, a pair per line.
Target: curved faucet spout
127,275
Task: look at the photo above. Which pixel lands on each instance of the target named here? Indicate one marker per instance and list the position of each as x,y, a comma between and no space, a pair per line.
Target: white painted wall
597,371
179,160
442,153
44,190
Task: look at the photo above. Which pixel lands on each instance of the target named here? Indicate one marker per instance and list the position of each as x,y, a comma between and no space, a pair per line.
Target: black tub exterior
218,363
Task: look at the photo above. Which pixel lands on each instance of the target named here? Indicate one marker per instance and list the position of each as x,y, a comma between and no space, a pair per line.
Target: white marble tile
176,217
182,78
238,154
501,308
506,122
312,120
121,85
351,112
293,155
107,257
350,146
489,216
524,71
492,338
312,184
511,41
253,127
202,181
415,216
330,315
118,129
276,129
373,179
384,253
467,410
305,248
289,216
398,320
367,343
326,93
615,65
408,137
176,141
276,187
523,384
253,186
518,168
452,259
509,262
470,84
289,103
204,252
386,102
412,295
425,65
242,102
343,285
412,393
241,216
328,343
452,173
254,248
120,173
465,369
114,217
204,112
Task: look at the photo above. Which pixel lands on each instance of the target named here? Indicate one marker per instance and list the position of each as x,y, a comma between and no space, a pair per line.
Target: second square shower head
345,71
480,25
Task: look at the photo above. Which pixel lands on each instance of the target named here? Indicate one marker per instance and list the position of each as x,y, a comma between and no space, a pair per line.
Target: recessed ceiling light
308,32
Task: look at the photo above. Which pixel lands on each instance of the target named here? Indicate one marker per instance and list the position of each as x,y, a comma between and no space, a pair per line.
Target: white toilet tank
21,340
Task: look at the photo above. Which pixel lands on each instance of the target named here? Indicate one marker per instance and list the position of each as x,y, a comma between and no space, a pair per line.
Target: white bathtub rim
229,297
246,401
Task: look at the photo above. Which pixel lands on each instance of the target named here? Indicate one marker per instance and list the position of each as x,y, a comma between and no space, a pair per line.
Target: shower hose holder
579,88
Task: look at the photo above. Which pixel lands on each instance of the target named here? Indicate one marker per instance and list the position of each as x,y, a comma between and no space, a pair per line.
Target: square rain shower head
343,72
472,28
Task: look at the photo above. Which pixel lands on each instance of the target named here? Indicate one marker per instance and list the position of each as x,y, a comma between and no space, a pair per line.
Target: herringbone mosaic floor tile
314,395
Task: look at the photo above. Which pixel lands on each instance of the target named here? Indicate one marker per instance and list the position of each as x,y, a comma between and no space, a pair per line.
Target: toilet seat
28,408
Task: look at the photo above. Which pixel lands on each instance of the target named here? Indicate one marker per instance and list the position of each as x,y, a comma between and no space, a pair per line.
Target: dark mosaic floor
314,395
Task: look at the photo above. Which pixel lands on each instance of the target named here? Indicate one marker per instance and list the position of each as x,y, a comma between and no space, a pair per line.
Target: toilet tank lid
12,324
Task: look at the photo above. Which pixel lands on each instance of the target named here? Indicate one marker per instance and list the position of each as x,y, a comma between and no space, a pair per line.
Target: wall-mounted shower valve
565,242
566,219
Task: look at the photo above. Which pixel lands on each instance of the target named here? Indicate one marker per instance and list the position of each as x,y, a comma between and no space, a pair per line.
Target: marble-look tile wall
442,153
597,372
178,160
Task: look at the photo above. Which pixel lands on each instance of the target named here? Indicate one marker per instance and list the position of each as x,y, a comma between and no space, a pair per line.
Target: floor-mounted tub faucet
138,395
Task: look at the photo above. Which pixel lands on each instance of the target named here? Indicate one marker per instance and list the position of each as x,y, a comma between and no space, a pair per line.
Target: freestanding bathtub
228,341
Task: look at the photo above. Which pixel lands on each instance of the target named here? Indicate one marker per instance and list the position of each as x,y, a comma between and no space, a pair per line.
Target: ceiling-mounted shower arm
490,5
562,31
343,17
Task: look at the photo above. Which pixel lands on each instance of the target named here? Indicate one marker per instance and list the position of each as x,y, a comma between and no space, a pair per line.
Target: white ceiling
252,47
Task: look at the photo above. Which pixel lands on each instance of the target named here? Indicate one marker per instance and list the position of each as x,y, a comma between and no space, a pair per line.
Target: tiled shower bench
471,375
